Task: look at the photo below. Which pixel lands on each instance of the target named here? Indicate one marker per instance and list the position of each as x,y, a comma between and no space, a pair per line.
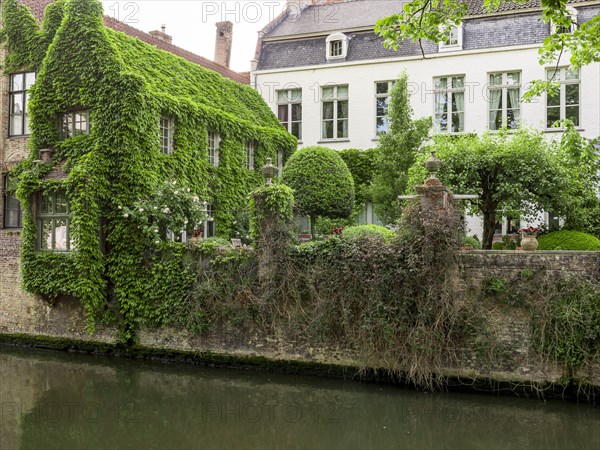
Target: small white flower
156,230
166,210
185,222
196,199
205,203
156,207
235,222
120,207
141,210
211,219
126,215
174,182
176,192
189,190
157,242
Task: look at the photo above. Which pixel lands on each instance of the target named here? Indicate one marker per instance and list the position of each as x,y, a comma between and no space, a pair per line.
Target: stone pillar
272,215
432,194
223,43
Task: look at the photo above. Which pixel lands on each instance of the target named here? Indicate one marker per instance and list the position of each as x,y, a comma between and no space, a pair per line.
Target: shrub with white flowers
173,208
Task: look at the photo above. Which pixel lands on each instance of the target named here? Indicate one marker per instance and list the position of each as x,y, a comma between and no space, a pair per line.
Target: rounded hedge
568,240
322,183
359,231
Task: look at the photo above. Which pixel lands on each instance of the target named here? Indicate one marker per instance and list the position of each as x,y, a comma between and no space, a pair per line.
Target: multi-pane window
250,155
165,134
564,105
504,93
336,48
335,112
453,39
449,113
53,222
74,123
209,223
289,110
213,148
18,98
12,207
382,104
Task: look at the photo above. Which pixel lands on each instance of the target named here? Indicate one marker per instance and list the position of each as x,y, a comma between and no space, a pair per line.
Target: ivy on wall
126,85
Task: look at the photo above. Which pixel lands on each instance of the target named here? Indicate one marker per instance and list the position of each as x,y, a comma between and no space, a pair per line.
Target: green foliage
520,173
429,19
498,246
360,231
568,240
495,286
127,85
396,152
472,241
322,183
566,327
361,164
270,202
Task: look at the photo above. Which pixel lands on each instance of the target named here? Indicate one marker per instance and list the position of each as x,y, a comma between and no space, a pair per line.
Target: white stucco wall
474,65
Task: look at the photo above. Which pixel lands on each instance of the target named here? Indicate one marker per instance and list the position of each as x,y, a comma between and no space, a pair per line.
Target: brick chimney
223,43
161,35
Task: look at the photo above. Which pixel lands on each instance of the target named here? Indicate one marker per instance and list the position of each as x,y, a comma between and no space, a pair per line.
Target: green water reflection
63,401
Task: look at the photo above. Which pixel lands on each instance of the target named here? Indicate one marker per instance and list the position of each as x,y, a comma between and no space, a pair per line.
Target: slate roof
350,14
38,7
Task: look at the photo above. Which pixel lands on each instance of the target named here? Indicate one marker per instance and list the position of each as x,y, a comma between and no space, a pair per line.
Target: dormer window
74,123
337,46
572,12
453,39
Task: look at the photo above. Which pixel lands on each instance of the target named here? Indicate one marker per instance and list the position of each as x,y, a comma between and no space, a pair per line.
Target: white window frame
335,98
387,95
336,39
181,237
168,137
562,80
250,150
454,33
290,100
450,92
504,86
210,220
214,143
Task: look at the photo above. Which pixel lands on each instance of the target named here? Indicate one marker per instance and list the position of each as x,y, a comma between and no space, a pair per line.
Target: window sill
560,129
325,141
19,137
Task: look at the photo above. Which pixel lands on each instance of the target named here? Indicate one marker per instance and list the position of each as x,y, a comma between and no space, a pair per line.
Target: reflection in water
69,401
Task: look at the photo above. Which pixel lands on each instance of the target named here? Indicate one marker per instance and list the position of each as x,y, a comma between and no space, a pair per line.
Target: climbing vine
126,85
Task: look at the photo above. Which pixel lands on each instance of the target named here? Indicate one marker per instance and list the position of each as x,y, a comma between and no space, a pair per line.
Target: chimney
223,43
161,35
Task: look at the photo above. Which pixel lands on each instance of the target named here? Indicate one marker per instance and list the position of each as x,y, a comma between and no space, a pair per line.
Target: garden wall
27,318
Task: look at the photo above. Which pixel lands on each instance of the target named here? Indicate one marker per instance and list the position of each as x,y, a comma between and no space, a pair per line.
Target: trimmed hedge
359,231
568,240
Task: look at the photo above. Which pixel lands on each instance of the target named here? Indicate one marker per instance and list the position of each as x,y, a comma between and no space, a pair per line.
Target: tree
520,174
396,152
431,20
322,184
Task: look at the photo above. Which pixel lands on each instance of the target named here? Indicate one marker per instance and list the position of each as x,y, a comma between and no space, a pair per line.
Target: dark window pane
296,112
572,113
327,110
382,106
553,115
297,130
553,100
282,113
572,94
382,88
328,129
342,131
342,109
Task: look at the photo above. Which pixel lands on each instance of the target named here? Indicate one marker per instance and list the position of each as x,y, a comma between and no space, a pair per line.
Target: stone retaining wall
31,317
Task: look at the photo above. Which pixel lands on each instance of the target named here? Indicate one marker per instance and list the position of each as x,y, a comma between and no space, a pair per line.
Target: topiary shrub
360,231
472,241
322,184
498,246
568,240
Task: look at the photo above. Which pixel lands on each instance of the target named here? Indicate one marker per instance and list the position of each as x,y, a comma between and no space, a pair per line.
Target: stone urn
529,242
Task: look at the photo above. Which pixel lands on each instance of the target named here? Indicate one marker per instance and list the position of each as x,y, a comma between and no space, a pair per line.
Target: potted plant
529,238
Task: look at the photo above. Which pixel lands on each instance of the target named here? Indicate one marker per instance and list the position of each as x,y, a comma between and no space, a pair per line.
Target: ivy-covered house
112,119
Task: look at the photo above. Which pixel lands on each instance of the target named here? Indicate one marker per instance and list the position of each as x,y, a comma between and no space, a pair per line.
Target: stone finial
269,172
433,165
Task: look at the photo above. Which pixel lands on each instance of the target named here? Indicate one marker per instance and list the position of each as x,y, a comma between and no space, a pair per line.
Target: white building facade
327,76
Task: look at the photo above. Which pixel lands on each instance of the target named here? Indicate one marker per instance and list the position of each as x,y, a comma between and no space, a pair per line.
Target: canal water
53,400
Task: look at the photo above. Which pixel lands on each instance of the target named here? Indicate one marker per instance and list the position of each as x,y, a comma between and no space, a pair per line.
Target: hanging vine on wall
126,85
